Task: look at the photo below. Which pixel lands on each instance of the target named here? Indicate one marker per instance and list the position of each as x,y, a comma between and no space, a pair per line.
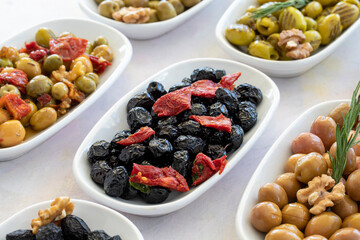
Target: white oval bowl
96,216
290,68
115,120
146,30
273,165
80,27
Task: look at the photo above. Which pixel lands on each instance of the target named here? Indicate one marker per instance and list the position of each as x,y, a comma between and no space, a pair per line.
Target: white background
45,172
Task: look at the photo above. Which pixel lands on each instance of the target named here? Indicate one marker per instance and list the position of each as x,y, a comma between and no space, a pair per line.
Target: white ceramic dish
273,165
96,216
146,30
115,120
273,68
80,27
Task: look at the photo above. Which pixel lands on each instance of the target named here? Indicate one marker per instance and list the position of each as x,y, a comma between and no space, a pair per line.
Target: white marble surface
45,172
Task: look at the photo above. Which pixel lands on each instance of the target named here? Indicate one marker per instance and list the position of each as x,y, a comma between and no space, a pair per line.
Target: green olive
273,39
38,86
43,36
330,28
139,3
43,118
314,38
355,2
85,84
153,4
89,48
326,3
179,7
153,16
22,55
313,9
107,8
29,66
120,2
292,18
165,10
59,90
93,76
66,34
326,11
103,51
239,34
9,88
190,3
100,40
52,63
268,4
246,19
267,25
311,24
5,62
348,13
12,133
264,50
25,121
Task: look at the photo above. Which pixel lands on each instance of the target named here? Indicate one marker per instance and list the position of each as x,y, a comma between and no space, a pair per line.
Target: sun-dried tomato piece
204,88
138,137
16,77
44,99
220,122
220,163
17,107
203,168
38,55
164,177
68,48
227,81
173,103
33,46
99,65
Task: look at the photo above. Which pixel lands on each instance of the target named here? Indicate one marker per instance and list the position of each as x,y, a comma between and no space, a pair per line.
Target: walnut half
132,15
293,41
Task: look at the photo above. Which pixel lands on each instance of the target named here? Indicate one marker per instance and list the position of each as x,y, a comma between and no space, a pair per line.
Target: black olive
204,101
74,228
206,132
98,171
154,116
141,100
215,151
51,232
235,137
100,150
250,93
156,90
247,118
203,73
118,137
169,132
116,181
184,116
160,147
186,80
189,127
132,153
179,86
167,121
187,142
228,98
129,193
218,108
217,137
219,74
20,234
114,160
138,117
181,162
198,109
98,235
156,195
245,104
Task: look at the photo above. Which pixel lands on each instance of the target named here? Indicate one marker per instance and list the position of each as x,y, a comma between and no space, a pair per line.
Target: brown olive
352,221
4,115
281,234
290,184
307,143
339,112
12,133
324,224
345,207
265,216
327,159
346,234
353,185
273,192
291,162
325,129
357,162
356,147
350,159
291,228
310,166
296,214
43,118
315,237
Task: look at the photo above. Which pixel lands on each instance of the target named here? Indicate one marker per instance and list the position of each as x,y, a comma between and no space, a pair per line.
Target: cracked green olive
38,86
25,121
267,25
355,2
179,7
311,24
246,19
9,88
310,166
85,84
348,13
43,36
190,3
5,62
292,18
165,10
93,76
59,90
330,28
153,4
107,8
314,38
103,51
29,66
43,118
264,50
89,47
239,34
100,40
52,63
313,9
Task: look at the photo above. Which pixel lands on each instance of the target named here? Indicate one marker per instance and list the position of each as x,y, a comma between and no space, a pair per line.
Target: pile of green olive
42,81
321,21
281,215
155,10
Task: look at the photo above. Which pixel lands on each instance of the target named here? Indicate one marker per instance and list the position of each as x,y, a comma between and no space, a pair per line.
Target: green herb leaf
263,12
141,187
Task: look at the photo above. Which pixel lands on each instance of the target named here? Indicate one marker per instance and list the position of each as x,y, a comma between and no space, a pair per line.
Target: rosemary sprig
263,12
343,144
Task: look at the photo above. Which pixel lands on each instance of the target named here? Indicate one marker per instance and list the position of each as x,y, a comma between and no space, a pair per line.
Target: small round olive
313,9
5,62
345,207
25,121
107,8
315,237
325,129
43,36
52,63
296,214
273,192
85,84
43,118
267,25
291,162
311,24
140,3
290,184
346,234
239,34
348,13
310,166
29,66
89,48
292,18
12,133
165,10
314,38
281,234
59,91
263,49
265,216
339,112
330,28
100,40
190,3
350,159
353,185
9,88
179,7
93,76
291,228
4,115
38,86
246,19
352,221
307,143
103,51
324,224
85,61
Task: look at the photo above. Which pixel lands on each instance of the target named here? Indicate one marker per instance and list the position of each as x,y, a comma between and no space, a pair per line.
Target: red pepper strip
204,88
227,81
164,177
220,163
15,77
15,105
203,168
68,48
32,46
138,137
99,65
220,122
44,99
38,55
173,103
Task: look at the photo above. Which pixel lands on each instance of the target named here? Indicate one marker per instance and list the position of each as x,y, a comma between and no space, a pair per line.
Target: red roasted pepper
17,107
203,168
164,177
44,99
68,48
38,55
15,77
33,46
227,81
99,65
138,137
220,122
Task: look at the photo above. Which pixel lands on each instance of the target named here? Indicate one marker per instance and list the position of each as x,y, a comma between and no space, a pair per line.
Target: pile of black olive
177,139
72,228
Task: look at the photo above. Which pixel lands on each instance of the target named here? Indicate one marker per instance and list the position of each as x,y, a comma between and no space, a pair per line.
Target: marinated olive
156,195
315,237
311,24
52,63
59,90
153,16
290,184
353,185
5,62
153,4
330,28
85,84
181,162
324,224
89,48
93,76
85,61
267,25
355,2
352,221
218,108
346,234
43,118
307,143
263,49
12,133
189,127
179,7
98,171
236,137
103,51
4,115
296,214
291,228
273,192
325,129
141,100
107,8
339,112
165,10
100,40
116,181
160,147
132,153
348,13
43,36
246,19
313,9
26,120
350,159
250,93
265,216
9,88
314,38
190,143
21,235
281,234
29,66
203,73
291,162
292,18
310,166
38,86
345,207
99,150
239,34
49,231
190,3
